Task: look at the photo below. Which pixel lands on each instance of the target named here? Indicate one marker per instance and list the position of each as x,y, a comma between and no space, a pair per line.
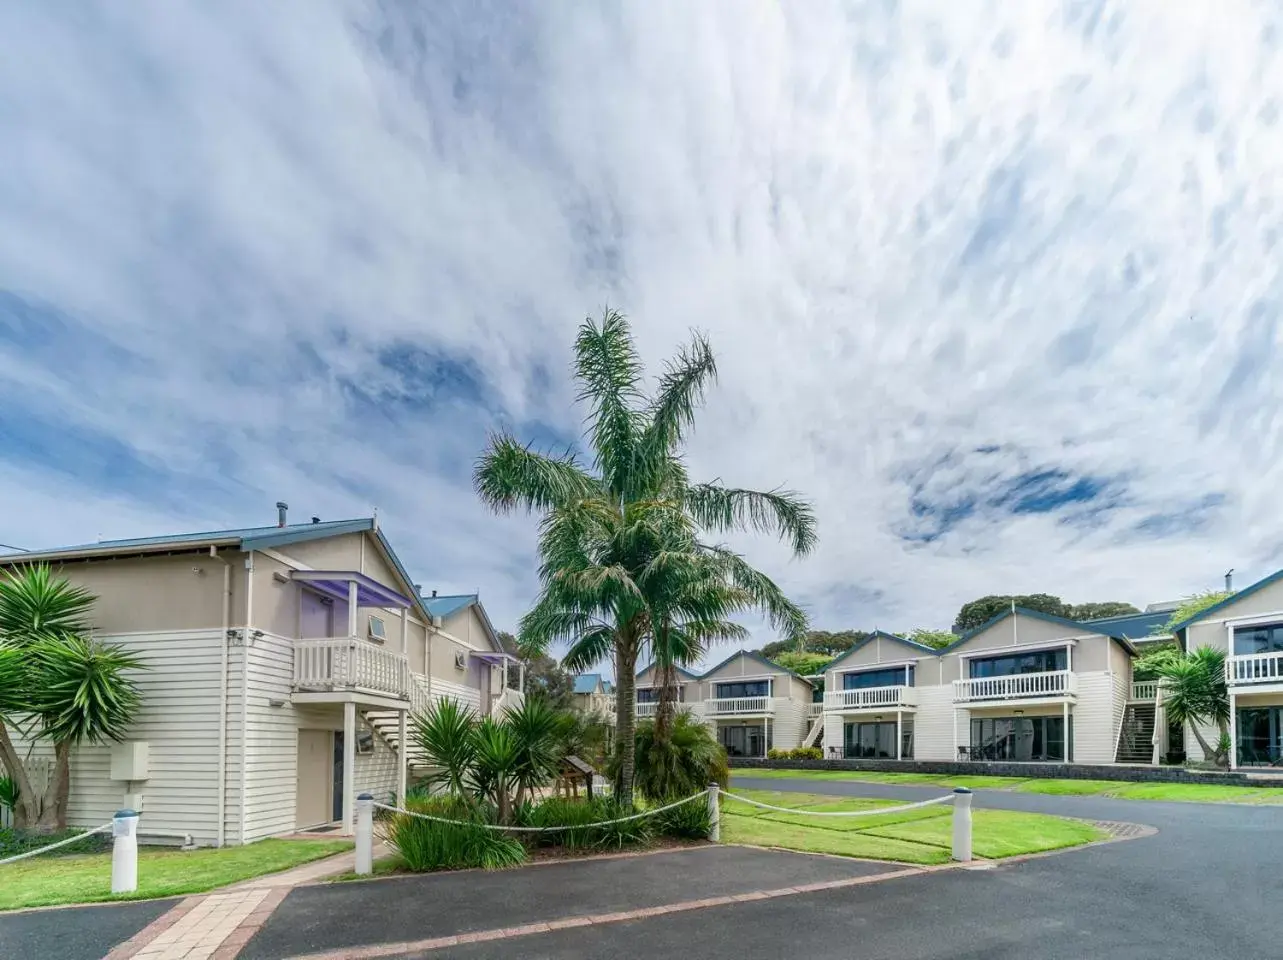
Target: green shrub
14,842
690,760
427,845
806,753
577,815
690,821
774,754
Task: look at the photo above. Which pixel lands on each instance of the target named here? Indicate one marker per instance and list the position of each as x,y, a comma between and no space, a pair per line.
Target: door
312,805
1259,732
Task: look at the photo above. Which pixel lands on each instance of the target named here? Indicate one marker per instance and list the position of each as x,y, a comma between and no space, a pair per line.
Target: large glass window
1260,736
889,677
1263,639
747,740
647,695
1022,739
743,688
1037,661
875,740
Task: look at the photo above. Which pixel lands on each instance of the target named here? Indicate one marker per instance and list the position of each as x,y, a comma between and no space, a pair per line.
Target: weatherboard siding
933,737
1095,719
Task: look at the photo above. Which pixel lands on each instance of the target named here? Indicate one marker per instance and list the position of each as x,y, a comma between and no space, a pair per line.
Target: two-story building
752,704
594,694
1248,628
1023,687
281,664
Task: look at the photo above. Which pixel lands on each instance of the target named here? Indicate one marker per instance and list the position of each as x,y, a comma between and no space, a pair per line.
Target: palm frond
681,391
509,476
781,512
607,366
34,603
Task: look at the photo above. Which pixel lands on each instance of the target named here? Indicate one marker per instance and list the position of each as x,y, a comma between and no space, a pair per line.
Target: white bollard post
124,852
364,835
962,825
714,814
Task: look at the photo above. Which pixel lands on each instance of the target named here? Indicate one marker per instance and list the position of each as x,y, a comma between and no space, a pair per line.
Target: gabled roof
1076,625
1231,599
682,672
445,606
911,644
587,682
1133,626
753,656
243,538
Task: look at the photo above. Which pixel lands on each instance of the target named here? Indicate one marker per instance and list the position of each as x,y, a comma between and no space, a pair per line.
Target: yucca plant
496,765
1194,692
429,845
444,736
56,684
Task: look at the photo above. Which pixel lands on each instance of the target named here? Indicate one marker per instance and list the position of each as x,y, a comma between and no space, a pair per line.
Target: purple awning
334,583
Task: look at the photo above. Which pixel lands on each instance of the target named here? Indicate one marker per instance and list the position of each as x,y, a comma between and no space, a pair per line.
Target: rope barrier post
364,835
714,814
962,825
124,852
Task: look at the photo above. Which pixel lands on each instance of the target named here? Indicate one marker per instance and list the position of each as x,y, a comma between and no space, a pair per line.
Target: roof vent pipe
281,507
1229,580
434,593
316,519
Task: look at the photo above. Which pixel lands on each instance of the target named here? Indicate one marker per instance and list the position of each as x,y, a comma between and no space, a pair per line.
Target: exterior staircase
1136,736
815,736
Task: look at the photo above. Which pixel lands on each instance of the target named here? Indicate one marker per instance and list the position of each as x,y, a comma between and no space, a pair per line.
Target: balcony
1254,668
739,707
1049,685
814,710
1145,690
870,698
350,665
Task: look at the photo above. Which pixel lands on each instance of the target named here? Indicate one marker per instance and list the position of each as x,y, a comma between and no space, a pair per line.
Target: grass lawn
49,880
1180,792
924,835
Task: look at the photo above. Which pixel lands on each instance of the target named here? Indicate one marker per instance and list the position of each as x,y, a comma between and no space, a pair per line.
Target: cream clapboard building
281,663
752,704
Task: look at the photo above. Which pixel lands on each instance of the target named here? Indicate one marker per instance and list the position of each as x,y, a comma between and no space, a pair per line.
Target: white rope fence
960,798
54,846
124,850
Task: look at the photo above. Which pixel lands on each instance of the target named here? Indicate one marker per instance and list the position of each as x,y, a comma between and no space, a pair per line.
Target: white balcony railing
1145,690
1017,686
737,706
868,698
1254,668
348,663
646,711
814,710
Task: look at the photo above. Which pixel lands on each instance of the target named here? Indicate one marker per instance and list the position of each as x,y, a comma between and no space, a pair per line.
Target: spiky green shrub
690,821
425,845
686,763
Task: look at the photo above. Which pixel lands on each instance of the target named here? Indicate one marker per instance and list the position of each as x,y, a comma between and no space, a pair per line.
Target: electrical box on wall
129,760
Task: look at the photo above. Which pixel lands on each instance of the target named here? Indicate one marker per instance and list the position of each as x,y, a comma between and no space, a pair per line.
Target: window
1022,739
1038,661
892,677
1260,735
1267,638
743,688
647,695
378,633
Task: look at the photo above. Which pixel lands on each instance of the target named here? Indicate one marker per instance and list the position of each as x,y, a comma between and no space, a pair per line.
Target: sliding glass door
1260,735
1020,739
869,740
744,741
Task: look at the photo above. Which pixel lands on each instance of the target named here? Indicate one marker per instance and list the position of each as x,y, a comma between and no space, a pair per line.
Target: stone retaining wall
1025,771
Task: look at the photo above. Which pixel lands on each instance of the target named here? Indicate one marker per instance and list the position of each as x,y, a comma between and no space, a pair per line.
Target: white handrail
1015,686
350,663
862,697
720,706
1254,668
1145,690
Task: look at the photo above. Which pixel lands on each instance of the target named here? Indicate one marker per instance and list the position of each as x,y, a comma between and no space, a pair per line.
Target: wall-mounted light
1018,713
276,703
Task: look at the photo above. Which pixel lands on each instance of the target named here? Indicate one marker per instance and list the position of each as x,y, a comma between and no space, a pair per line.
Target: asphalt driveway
76,933
1207,886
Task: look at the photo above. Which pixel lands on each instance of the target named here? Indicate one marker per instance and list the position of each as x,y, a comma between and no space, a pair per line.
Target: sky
995,285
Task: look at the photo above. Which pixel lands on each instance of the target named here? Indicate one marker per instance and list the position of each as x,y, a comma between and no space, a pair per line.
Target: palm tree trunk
27,811
625,715
1208,752
667,706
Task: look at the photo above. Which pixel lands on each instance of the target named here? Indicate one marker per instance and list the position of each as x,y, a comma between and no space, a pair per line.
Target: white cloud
911,232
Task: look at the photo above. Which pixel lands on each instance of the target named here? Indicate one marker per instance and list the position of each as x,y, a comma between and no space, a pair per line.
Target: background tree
547,680
804,664
932,638
1095,611
1192,606
817,641
979,612
597,538
56,685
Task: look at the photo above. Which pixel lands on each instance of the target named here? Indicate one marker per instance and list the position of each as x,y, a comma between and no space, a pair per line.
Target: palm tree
607,523
56,684
1194,692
